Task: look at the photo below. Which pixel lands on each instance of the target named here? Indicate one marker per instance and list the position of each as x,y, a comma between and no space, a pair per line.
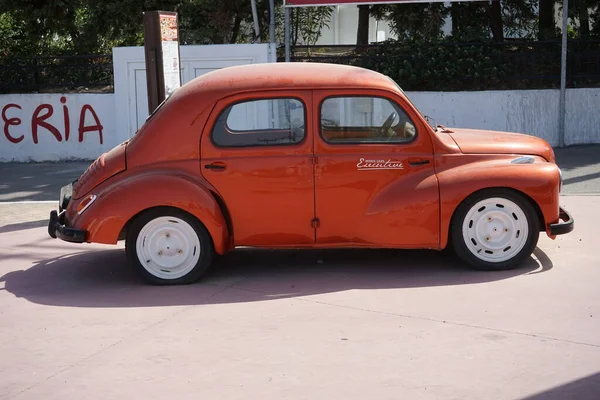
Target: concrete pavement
76,323
29,191
581,169
36,181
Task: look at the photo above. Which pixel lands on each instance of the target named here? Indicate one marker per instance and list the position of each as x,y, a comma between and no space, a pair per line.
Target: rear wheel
168,246
495,229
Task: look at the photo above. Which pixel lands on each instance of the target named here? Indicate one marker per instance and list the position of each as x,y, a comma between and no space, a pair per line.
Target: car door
375,183
257,152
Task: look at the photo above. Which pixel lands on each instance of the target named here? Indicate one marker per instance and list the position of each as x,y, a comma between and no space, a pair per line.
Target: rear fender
120,200
538,181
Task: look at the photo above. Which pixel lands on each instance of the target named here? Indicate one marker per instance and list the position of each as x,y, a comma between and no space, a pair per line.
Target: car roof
287,75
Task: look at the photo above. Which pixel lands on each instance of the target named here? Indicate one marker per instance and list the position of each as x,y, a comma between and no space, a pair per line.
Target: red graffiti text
40,125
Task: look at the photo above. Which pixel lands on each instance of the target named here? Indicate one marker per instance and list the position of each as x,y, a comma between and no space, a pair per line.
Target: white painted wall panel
534,112
130,73
582,116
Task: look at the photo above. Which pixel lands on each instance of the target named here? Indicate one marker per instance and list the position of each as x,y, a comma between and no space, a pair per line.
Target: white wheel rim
168,247
495,229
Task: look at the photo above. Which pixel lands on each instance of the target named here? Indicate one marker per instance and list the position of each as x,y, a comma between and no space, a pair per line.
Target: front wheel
168,246
495,230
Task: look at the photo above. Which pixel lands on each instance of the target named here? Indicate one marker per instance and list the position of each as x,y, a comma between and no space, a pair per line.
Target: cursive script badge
365,165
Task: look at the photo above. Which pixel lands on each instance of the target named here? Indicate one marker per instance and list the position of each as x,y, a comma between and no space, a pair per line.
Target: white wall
120,114
533,112
529,111
52,141
582,116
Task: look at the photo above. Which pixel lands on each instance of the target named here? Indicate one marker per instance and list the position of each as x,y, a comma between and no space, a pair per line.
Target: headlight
85,203
523,160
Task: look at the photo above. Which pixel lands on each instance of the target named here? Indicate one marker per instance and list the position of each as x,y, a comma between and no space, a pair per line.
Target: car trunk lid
105,166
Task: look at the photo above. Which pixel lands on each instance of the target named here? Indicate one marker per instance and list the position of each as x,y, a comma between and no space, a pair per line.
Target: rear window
261,122
162,103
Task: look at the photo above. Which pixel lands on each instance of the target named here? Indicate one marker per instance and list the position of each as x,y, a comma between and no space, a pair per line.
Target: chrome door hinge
315,223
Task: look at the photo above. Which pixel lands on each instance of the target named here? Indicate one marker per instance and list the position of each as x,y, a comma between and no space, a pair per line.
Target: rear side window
264,122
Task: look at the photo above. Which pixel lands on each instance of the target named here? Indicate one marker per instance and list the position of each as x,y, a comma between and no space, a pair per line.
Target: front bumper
565,225
58,226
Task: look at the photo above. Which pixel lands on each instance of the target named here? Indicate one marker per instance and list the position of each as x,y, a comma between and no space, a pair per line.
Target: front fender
124,196
459,178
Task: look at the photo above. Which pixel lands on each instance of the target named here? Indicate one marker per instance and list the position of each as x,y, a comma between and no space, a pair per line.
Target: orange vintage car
309,155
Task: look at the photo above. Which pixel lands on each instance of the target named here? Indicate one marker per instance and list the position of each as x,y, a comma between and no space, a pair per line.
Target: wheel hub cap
495,229
168,247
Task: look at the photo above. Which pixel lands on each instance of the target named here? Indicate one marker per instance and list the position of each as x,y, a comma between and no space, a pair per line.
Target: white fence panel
130,74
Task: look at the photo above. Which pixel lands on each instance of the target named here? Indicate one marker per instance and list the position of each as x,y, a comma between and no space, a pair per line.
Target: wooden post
161,48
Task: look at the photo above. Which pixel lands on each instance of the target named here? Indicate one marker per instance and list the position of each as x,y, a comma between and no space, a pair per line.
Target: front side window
365,119
264,122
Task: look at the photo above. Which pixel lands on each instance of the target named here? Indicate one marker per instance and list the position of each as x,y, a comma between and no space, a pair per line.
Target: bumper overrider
565,225
58,226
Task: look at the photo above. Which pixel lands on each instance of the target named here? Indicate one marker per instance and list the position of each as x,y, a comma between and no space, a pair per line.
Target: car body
309,155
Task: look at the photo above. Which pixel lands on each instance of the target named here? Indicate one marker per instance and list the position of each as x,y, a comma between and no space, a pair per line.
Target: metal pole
563,76
272,21
287,34
255,18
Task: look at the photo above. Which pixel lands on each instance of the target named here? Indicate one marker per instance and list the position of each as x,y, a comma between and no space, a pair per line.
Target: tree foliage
48,27
414,21
36,27
308,23
526,19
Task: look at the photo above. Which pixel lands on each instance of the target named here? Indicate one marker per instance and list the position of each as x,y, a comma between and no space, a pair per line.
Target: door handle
416,163
216,166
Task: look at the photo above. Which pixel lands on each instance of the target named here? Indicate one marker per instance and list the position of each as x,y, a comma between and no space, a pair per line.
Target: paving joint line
29,202
432,320
457,324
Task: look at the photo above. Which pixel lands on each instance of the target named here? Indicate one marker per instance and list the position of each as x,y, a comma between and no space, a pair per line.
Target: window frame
352,142
230,106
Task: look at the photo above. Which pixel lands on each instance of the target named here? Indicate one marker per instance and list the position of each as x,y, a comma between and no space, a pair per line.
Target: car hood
476,141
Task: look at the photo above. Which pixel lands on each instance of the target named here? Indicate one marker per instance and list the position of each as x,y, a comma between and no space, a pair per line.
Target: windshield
427,118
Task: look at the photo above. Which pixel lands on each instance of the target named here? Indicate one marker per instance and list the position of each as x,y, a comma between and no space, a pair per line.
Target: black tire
206,251
461,247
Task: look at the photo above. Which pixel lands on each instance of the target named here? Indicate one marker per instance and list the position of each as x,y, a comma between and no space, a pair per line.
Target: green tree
587,12
38,27
413,20
308,23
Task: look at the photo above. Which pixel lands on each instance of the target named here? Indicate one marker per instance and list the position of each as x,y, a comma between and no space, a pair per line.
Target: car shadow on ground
586,388
23,225
103,278
568,158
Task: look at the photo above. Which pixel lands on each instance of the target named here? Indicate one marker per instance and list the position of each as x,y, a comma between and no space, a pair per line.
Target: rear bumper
565,225
58,226
58,229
